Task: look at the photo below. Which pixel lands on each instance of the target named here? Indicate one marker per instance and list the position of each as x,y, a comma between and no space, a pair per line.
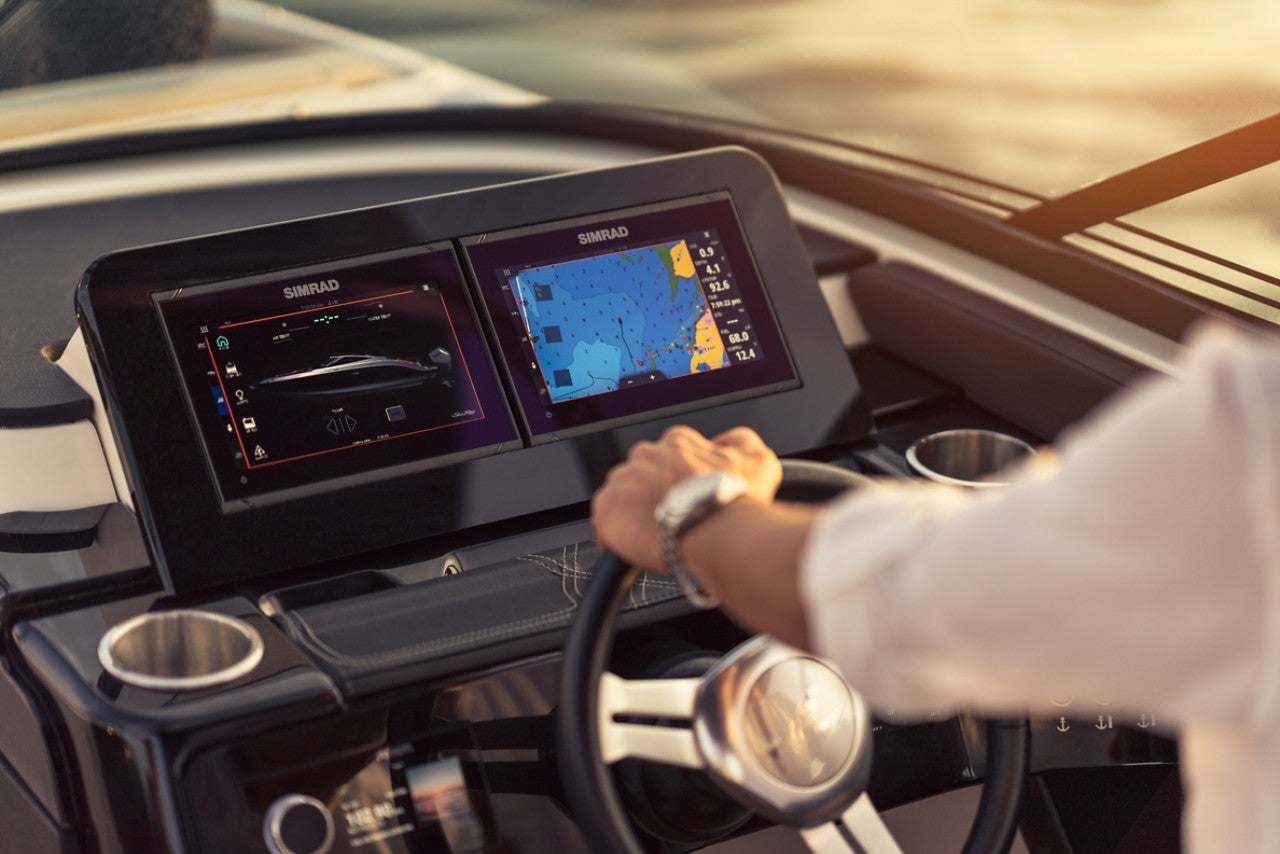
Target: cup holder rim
919,467
244,665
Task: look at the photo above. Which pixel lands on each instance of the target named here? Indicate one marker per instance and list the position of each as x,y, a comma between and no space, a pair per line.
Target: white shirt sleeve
1142,566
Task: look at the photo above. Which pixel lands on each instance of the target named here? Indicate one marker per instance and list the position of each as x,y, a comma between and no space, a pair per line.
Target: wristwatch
686,504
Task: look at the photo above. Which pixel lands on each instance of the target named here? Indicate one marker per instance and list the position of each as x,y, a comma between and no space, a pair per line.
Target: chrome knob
297,824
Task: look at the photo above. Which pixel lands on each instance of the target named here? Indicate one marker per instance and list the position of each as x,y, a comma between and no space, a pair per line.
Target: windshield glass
1041,95
1045,95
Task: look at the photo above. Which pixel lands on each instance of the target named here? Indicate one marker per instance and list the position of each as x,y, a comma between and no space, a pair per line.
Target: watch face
690,499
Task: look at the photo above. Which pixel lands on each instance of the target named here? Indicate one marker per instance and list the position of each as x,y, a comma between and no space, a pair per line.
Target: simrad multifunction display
335,370
608,319
332,371
384,375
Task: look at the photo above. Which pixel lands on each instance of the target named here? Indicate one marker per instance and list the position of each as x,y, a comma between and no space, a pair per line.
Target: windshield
1041,95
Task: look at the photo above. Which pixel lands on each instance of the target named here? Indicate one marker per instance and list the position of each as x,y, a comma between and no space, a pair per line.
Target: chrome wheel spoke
648,719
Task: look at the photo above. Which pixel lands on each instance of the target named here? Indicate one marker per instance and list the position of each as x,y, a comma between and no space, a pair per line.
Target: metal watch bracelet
697,595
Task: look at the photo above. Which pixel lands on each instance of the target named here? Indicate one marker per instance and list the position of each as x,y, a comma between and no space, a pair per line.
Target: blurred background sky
1045,95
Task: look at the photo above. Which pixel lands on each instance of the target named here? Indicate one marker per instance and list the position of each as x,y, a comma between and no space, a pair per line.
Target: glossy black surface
127,742
198,546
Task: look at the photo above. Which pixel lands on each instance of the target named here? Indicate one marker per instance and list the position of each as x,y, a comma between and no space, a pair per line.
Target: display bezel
494,258
249,301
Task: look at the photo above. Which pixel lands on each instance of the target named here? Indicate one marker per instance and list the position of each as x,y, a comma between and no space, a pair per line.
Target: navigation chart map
614,320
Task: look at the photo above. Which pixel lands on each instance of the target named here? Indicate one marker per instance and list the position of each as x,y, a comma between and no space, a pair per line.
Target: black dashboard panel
148,313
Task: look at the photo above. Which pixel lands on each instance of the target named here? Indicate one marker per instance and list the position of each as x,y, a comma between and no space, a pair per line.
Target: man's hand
622,510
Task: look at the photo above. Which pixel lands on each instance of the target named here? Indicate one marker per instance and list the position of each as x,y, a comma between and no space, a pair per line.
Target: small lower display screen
630,315
335,371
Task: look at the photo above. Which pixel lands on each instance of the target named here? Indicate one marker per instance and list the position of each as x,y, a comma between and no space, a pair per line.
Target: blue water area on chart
596,322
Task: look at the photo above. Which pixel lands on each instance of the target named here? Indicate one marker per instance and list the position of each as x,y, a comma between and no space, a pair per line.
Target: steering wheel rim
586,779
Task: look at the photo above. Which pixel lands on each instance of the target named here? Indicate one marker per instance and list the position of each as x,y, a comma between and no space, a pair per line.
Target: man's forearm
749,554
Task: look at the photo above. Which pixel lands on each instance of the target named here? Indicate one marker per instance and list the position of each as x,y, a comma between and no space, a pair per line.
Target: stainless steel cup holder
180,650
971,458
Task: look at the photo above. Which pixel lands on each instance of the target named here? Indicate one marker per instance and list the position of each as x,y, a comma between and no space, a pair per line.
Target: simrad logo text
310,289
603,234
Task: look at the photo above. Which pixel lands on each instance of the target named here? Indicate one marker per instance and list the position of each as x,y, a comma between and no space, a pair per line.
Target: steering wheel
776,728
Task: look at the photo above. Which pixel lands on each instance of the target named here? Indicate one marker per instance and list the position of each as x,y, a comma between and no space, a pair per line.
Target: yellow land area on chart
682,261
710,348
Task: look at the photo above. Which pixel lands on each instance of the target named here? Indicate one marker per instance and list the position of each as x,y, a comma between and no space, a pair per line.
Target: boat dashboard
346,439
617,303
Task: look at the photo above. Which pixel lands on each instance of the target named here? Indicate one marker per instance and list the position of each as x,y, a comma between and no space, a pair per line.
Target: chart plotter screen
652,310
